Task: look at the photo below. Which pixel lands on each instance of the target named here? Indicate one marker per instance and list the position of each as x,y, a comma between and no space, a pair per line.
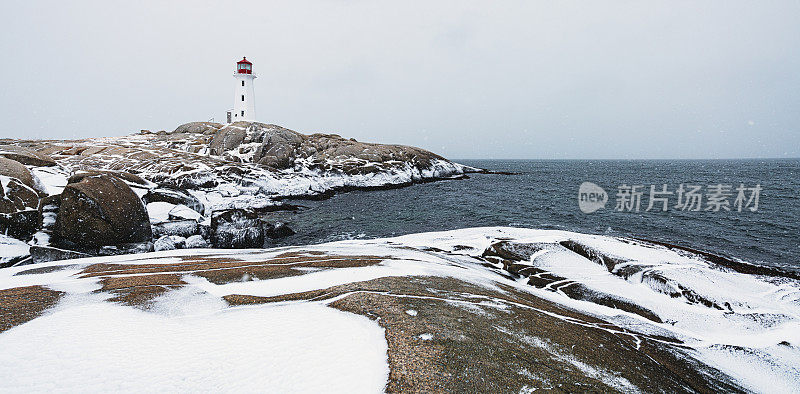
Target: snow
53,179
100,346
159,211
11,249
183,212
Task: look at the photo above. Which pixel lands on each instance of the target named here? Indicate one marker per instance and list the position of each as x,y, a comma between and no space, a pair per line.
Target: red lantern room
244,67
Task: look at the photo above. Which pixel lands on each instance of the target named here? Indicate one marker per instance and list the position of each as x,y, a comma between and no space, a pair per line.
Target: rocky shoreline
202,185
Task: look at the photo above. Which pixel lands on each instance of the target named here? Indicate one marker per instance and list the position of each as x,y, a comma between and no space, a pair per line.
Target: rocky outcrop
244,159
26,156
197,128
203,181
101,210
281,148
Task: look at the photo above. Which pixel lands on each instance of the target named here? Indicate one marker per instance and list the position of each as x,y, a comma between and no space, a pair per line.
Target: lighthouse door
229,116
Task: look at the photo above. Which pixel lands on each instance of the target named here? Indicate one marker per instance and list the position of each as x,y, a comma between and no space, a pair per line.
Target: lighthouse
244,101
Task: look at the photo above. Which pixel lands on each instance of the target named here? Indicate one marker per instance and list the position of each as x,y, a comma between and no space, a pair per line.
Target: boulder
16,196
130,179
20,225
129,248
253,142
278,230
183,228
169,242
196,242
43,254
101,210
14,169
236,228
175,197
197,127
26,156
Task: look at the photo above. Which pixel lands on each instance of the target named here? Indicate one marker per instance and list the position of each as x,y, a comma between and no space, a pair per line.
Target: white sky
533,79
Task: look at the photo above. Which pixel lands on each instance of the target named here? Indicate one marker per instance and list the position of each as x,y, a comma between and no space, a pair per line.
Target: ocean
543,194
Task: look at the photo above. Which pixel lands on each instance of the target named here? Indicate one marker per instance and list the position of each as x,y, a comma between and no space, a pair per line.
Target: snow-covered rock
158,211
100,210
183,228
169,242
247,165
26,156
421,312
182,212
12,251
196,242
236,229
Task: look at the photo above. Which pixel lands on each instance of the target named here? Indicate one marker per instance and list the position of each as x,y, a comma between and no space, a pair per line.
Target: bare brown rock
26,156
101,210
21,304
15,169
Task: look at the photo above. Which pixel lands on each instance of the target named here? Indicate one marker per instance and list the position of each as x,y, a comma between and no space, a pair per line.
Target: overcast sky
525,80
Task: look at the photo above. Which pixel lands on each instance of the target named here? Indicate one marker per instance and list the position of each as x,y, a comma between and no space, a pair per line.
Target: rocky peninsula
202,185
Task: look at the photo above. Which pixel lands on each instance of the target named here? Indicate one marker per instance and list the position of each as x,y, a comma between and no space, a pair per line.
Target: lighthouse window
242,113
242,97
242,83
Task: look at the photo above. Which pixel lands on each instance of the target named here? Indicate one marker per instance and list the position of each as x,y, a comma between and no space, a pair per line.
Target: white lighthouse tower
244,103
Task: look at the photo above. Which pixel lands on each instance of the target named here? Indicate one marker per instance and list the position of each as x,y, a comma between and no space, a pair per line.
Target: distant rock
281,148
208,166
278,230
101,210
198,127
19,188
236,229
26,156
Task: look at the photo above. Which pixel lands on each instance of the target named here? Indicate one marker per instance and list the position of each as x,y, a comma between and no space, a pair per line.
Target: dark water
545,195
